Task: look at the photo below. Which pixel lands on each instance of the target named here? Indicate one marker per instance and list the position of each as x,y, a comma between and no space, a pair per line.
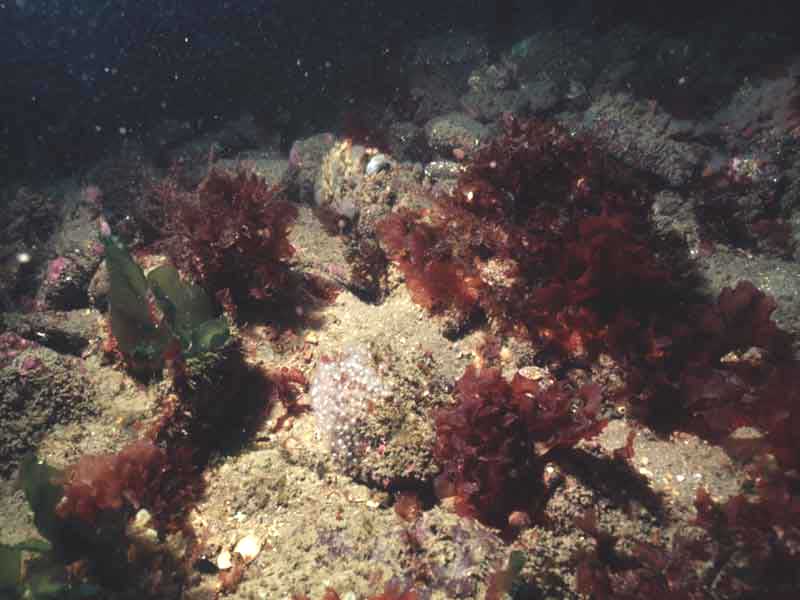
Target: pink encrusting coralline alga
56,268
11,345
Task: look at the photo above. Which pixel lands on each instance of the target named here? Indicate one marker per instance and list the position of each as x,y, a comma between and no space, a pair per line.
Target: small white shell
224,561
377,163
248,547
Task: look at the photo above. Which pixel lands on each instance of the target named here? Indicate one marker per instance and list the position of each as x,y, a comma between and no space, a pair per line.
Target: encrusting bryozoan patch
343,390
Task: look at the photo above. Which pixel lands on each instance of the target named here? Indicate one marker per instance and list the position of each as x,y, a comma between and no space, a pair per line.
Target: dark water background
76,74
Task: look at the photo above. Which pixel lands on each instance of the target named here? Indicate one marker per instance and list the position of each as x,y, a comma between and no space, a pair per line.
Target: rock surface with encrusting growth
644,138
39,389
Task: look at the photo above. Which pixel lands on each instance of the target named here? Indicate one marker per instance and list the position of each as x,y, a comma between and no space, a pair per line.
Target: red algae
230,235
493,443
544,236
110,481
549,239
